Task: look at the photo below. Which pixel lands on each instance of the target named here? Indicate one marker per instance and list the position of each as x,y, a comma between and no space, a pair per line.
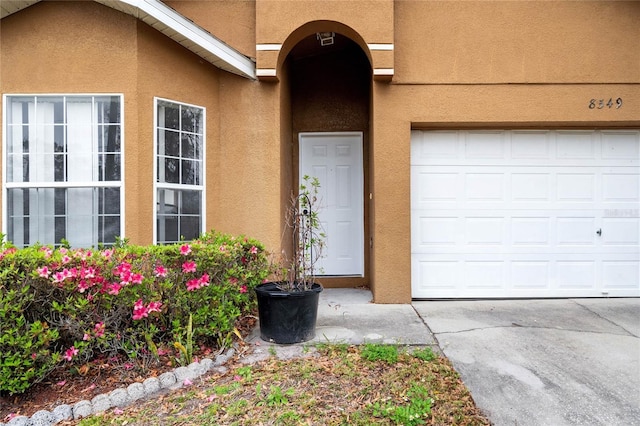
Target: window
179,171
63,169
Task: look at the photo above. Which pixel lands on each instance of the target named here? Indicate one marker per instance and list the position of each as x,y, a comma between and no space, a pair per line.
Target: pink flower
136,278
89,272
193,284
243,289
187,382
66,259
139,310
82,286
128,366
114,288
70,353
34,356
189,266
107,253
123,268
99,329
223,248
161,271
44,272
253,250
185,249
58,277
204,279
154,306
86,337
47,252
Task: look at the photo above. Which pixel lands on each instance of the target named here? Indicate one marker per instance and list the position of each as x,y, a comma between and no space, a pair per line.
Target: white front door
336,160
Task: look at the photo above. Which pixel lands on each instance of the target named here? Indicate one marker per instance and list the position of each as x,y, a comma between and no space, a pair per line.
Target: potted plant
288,308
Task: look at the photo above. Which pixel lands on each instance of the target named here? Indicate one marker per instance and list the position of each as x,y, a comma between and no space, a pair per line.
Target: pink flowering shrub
129,301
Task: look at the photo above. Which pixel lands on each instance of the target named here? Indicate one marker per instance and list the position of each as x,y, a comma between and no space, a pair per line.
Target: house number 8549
601,103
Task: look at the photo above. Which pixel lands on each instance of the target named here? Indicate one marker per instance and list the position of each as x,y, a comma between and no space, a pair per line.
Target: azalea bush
68,306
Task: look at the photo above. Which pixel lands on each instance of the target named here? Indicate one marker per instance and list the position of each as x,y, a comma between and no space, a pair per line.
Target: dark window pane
60,201
167,229
25,168
108,108
109,167
191,146
109,139
109,201
58,168
171,170
191,201
191,119
189,227
169,115
110,229
171,143
190,172
58,140
60,229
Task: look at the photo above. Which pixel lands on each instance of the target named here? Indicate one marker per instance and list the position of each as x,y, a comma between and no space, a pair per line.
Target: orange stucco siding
516,42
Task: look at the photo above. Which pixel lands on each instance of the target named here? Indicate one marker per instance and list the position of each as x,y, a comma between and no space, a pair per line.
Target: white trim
380,46
4,167
266,72
383,71
156,185
186,28
88,184
268,47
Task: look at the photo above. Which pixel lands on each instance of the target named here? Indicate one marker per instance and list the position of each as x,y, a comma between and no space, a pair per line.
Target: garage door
525,213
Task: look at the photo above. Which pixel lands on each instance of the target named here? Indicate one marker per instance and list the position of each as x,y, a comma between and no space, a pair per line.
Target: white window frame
90,184
178,186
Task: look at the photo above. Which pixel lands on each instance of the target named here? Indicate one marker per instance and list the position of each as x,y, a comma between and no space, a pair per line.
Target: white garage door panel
525,213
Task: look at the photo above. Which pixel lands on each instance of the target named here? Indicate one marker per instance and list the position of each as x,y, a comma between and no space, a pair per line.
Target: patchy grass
333,385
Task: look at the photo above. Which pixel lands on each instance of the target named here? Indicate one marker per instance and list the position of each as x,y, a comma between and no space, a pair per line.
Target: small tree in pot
288,308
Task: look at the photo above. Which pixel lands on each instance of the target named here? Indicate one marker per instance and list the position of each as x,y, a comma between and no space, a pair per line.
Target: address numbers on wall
604,103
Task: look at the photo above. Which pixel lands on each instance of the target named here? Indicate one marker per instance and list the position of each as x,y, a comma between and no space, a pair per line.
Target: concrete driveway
544,362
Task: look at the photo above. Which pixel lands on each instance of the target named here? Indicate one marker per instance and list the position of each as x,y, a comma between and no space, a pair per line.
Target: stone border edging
122,397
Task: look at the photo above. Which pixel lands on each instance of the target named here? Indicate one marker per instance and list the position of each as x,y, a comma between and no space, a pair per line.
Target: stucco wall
517,42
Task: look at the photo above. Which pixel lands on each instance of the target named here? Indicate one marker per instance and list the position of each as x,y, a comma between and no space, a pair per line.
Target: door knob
599,232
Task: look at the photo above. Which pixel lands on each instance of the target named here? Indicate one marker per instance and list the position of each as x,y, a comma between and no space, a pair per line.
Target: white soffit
173,25
13,6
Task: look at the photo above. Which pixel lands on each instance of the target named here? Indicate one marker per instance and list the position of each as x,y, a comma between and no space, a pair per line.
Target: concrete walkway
545,362
526,362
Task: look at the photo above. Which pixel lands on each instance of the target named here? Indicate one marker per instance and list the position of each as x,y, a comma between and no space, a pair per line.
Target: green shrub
25,357
123,301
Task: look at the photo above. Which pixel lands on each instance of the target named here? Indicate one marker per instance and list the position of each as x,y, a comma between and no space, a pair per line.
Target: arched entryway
327,87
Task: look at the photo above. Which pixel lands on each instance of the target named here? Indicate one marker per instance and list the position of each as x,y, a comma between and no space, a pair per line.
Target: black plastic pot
287,316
